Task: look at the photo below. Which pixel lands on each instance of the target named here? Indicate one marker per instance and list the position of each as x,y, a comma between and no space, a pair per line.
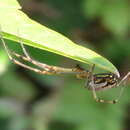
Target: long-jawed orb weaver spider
95,82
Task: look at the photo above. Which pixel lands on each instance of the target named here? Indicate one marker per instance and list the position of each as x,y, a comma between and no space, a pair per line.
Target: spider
95,82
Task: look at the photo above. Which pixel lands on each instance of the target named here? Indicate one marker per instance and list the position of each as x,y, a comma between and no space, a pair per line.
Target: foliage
29,100
31,33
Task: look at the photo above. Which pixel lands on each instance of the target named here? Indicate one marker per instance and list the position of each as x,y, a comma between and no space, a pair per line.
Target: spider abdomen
102,81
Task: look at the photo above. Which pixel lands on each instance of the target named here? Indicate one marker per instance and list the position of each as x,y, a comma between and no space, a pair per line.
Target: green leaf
15,24
9,4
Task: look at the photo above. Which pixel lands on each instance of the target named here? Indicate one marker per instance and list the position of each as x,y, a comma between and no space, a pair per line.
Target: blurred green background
29,101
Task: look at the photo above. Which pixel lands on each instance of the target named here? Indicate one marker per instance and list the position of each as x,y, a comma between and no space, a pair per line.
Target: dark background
29,101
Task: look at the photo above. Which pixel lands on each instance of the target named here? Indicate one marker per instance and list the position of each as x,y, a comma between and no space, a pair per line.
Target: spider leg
22,46
90,76
47,69
124,79
19,63
24,50
121,89
120,93
30,68
122,82
96,98
101,100
54,69
29,59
